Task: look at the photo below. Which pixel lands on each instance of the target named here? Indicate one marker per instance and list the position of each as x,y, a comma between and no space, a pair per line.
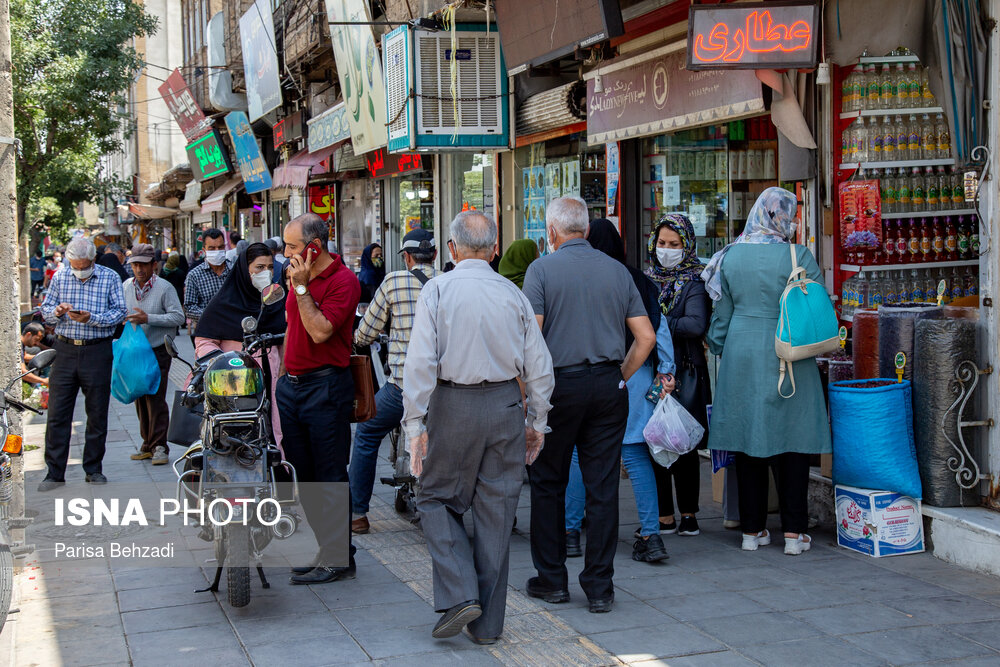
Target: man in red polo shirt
316,395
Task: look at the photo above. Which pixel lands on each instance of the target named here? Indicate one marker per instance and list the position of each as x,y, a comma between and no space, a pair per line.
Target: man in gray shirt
473,336
153,304
584,302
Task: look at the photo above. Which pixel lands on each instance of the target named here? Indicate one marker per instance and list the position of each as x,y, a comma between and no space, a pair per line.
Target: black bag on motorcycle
185,423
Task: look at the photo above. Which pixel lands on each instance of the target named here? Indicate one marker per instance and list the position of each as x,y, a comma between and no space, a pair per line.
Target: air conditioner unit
420,100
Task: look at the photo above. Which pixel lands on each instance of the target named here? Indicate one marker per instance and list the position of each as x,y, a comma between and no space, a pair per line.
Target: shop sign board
260,60
328,128
208,157
381,164
359,67
771,35
288,129
253,169
322,201
658,94
183,107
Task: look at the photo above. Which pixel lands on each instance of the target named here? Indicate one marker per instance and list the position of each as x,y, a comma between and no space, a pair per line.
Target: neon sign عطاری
753,36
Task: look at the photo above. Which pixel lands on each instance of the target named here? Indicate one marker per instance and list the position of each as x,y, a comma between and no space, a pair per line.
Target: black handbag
185,423
690,393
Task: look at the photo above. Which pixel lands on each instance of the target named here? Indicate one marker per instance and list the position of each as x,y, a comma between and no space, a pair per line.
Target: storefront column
989,278
507,213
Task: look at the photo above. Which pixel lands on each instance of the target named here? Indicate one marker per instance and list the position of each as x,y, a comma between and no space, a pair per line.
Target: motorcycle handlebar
19,406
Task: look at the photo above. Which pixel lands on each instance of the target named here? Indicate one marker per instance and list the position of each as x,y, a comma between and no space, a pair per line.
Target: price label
843,337
900,362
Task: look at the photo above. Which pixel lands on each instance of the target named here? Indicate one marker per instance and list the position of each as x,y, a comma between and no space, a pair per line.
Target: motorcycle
12,445
236,470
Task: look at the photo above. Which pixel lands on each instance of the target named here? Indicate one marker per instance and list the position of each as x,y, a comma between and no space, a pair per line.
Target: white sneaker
796,545
751,542
160,456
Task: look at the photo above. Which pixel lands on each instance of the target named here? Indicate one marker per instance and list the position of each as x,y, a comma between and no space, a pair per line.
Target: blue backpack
807,323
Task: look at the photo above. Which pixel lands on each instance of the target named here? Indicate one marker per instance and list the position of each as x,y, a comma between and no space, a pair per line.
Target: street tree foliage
73,63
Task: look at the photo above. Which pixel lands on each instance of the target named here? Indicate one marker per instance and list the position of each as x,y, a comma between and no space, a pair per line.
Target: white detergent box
878,523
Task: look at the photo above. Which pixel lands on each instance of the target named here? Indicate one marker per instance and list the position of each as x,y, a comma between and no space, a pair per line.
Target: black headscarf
604,236
236,299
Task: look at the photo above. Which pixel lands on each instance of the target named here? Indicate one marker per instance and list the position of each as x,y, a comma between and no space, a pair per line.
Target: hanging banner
328,128
183,107
260,59
359,67
611,191
207,157
658,95
253,170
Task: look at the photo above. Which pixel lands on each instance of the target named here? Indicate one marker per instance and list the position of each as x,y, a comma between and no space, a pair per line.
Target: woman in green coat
749,417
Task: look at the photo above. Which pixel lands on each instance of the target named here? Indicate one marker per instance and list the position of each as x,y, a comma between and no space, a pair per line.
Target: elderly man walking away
585,302
153,304
87,304
473,337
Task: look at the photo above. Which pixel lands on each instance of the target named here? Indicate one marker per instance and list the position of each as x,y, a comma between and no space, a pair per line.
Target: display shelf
937,162
887,60
867,113
854,268
591,171
929,214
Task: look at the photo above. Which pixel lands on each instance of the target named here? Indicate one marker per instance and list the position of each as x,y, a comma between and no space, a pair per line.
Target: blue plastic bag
873,436
134,372
722,458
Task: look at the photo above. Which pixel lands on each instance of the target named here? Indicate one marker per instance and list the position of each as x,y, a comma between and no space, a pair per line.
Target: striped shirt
396,296
101,296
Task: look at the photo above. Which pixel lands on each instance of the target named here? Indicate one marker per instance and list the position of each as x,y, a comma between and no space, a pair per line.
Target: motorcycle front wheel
237,538
6,578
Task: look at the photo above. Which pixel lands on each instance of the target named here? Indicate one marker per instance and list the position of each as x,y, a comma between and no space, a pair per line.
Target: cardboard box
878,523
718,485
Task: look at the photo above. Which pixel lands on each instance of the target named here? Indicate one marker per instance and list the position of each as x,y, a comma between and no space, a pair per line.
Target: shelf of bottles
928,214
877,286
868,113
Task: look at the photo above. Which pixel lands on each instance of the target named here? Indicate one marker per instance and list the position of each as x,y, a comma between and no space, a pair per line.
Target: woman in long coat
749,417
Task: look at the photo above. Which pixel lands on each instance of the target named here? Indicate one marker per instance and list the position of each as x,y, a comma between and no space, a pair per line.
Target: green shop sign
208,157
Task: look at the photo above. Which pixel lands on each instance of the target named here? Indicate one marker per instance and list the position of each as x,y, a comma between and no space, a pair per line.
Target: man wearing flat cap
152,304
396,296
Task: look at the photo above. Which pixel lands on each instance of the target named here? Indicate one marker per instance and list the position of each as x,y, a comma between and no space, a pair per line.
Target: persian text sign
208,157
772,35
253,170
328,128
260,61
380,164
183,107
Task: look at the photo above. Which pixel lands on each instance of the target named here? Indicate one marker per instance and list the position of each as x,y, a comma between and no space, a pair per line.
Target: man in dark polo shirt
316,395
584,301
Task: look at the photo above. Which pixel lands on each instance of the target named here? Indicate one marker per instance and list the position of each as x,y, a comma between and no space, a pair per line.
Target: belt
476,385
82,342
587,367
314,375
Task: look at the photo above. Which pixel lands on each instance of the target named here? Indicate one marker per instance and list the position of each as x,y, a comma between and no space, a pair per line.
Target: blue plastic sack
873,436
134,372
722,458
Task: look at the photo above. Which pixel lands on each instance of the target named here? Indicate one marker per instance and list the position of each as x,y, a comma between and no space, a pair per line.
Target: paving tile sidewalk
710,604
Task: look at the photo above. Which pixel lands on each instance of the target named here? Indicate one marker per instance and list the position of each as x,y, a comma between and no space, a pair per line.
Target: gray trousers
475,459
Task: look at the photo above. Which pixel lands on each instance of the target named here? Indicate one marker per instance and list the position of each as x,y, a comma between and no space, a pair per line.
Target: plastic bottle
957,189
874,141
905,288
925,90
902,241
845,299
930,288
928,139
916,287
913,241
845,143
902,138
913,83
937,241
926,240
904,193
974,236
862,291
874,88
970,283
890,289
857,87
845,93
887,190
902,88
964,242
957,284
887,91
888,139
950,240
918,191
943,133
913,138
888,243
932,190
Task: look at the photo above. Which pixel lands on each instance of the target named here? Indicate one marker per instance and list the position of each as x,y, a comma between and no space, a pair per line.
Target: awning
192,193
551,109
213,202
295,172
146,212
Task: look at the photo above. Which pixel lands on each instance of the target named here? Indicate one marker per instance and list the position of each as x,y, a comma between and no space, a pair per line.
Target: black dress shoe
456,618
324,575
573,548
481,641
305,569
96,478
48,484
601,606
551,595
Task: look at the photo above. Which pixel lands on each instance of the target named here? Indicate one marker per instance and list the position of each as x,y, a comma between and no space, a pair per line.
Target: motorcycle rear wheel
237,539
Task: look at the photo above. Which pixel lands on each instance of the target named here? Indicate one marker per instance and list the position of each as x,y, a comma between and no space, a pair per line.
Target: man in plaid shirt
86,303
204,281
396,296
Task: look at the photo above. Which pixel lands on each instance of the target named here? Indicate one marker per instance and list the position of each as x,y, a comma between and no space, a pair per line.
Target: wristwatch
300,290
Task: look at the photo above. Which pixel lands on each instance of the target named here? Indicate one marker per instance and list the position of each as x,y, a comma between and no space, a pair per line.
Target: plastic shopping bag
722,458
672,428
134,371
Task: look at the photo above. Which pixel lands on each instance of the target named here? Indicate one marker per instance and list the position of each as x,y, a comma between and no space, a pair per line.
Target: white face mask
83,274
261,279
215,257
669,257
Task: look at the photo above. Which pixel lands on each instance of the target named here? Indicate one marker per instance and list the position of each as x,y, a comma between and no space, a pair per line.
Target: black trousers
78,368
685,475
589,411
791,476
152,409
316,436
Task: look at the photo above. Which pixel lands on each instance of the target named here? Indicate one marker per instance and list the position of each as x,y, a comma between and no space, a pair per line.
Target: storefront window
360,219
476,173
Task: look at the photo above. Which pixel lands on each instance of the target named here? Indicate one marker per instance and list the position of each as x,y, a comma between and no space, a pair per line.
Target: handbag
807,323
364,388
185,423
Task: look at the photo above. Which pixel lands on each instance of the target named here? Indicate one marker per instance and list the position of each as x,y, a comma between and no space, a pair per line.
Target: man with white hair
87,304
473,337
585,303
